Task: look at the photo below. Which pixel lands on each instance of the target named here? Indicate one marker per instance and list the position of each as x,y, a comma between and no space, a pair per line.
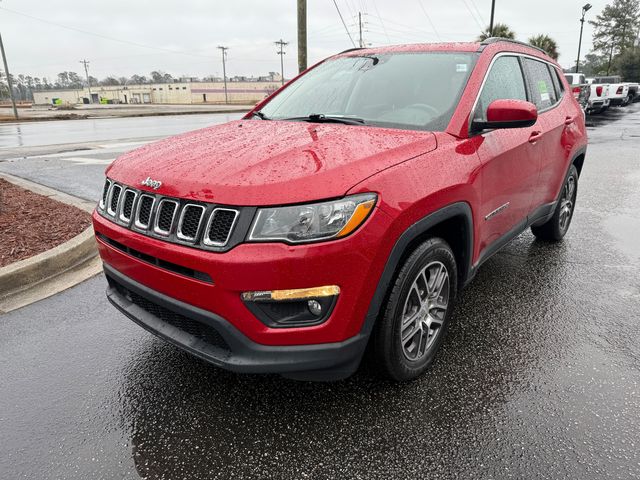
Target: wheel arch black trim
422,226
581,152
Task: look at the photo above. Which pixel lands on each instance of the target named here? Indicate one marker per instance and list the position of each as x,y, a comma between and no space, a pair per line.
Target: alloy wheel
424,311
567,203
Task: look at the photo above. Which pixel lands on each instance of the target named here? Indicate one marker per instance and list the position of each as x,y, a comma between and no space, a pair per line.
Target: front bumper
354,264
214,339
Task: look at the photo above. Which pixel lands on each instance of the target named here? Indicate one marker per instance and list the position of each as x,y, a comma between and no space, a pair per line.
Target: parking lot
539,376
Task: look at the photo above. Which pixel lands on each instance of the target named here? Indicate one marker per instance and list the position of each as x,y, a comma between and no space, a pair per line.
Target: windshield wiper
260,115
322,118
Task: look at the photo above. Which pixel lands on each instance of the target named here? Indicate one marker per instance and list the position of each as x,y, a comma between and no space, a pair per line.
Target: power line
375,7
466,5
473,4
343,23
429,18
99,35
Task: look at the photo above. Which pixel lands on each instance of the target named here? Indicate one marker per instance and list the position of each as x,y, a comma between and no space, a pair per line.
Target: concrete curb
45,274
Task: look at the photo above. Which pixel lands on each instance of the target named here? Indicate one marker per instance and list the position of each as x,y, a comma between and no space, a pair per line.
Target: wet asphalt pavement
539,376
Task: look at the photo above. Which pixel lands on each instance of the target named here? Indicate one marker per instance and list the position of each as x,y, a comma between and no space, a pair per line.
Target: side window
543,93
505,81
557,83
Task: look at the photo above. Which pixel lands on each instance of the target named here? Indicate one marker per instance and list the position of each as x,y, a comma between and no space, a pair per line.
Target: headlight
312,222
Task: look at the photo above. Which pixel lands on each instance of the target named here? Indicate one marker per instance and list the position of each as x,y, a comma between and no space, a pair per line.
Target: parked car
599,100
580,88
349,209
618,91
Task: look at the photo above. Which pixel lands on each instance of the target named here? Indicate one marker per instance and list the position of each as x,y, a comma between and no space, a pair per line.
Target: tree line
616,41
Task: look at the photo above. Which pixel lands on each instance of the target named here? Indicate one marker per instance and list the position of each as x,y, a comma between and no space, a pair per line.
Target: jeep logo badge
148,182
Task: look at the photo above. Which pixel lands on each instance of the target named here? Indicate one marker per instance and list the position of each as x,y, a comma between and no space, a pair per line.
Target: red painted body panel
254,163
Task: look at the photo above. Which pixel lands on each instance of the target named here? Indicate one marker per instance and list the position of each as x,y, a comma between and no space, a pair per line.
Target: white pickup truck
599,99
618,91
580,88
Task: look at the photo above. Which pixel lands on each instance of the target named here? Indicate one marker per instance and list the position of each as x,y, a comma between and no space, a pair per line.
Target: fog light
315,307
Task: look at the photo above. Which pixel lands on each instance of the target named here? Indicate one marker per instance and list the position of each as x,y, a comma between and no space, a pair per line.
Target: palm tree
499,30
546,43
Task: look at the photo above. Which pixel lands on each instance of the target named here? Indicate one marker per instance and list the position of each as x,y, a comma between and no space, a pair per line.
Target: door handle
535,136
569,120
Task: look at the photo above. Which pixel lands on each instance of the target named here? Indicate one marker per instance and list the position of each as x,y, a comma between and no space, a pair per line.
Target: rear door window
543,92
504,81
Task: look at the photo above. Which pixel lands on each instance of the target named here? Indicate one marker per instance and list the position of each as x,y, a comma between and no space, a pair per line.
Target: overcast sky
44,37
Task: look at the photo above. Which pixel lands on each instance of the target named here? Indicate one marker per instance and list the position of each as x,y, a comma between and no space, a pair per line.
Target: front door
509,171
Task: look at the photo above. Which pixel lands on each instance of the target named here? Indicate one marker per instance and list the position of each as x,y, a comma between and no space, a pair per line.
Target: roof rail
492,40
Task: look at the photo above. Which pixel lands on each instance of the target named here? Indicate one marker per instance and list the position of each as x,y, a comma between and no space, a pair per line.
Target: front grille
200,225
194,328
166,214
115,197
127,205
190,222
220,225
144,211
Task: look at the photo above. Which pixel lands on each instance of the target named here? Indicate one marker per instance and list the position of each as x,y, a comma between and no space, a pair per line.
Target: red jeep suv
347,209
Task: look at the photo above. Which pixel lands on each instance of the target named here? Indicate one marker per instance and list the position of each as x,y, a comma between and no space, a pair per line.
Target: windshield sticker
545,97
461,67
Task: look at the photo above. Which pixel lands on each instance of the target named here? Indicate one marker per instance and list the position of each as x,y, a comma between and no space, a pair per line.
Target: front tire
415,319
556,228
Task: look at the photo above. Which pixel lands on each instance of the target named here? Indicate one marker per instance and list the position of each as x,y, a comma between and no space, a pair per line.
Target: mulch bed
32,224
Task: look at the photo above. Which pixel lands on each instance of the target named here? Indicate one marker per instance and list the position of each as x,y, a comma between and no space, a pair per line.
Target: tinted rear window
541,87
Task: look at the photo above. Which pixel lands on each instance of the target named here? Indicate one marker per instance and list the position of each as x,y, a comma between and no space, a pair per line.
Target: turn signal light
295,294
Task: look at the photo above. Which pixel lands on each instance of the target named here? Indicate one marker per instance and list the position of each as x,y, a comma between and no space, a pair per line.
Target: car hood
256,162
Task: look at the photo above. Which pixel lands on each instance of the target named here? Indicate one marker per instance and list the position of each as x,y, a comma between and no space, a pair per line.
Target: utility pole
302,35
585,9
224,71
360,27
86,72
493,10
281,43
9,82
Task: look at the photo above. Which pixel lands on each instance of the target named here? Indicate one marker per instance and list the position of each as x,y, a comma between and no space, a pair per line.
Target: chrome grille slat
219,227
144,211
165,216
190,220
126,212
200,225
114,199
105,193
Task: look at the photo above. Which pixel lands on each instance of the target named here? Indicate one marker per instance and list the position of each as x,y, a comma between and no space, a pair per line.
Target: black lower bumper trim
220,343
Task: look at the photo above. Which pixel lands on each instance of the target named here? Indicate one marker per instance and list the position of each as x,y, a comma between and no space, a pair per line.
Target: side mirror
508,114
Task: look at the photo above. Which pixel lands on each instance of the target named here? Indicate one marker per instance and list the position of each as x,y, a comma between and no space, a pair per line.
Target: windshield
416,91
